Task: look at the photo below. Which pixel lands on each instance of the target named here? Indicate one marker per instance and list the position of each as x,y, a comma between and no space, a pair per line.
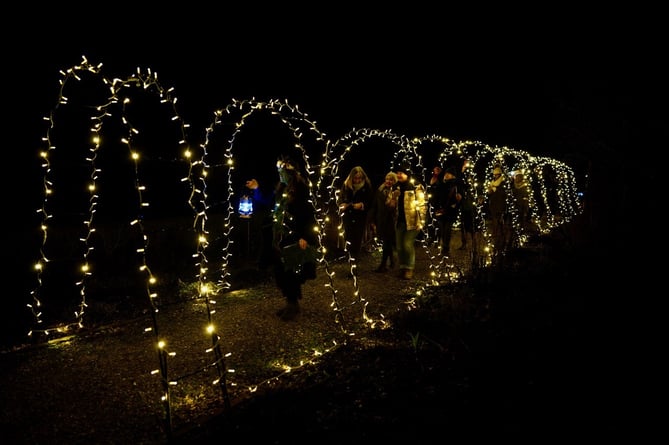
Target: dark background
587,90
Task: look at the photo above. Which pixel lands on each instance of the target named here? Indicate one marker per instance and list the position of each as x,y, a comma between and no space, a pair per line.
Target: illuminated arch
554,199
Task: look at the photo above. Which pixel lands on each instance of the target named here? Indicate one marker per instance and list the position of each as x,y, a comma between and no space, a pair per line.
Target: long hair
383,184
348,182
297,184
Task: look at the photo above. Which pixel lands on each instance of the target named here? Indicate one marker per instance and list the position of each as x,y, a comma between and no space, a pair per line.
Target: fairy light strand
552,203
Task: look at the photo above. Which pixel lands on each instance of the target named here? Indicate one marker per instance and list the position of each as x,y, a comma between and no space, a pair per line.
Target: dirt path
71,389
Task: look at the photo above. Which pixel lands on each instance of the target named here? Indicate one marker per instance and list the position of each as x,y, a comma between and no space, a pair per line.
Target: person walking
355,201
497,205
261,224
466,209
411,212
294,235
431,223
521,195
382,221
447,208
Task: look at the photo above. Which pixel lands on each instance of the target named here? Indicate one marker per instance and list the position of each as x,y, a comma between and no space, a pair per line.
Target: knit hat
404,167
451,171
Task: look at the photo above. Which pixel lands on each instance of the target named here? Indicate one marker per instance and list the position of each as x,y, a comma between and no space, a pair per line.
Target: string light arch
554,200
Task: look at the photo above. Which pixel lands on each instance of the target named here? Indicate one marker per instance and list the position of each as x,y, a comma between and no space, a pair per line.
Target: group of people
451,200
394,212
500,218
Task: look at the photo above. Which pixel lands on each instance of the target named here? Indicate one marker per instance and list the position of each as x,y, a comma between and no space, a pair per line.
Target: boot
290,311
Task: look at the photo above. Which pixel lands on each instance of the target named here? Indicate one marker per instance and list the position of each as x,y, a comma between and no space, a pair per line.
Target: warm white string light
558,198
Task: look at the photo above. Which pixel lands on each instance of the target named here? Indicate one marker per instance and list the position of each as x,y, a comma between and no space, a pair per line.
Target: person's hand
252,184
303,243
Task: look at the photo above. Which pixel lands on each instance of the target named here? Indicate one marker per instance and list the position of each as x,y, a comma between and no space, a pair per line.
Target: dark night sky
573,91
547,89
587,90
518,105
545,86
553,113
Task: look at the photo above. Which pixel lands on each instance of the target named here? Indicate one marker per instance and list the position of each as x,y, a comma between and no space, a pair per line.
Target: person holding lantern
294,235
